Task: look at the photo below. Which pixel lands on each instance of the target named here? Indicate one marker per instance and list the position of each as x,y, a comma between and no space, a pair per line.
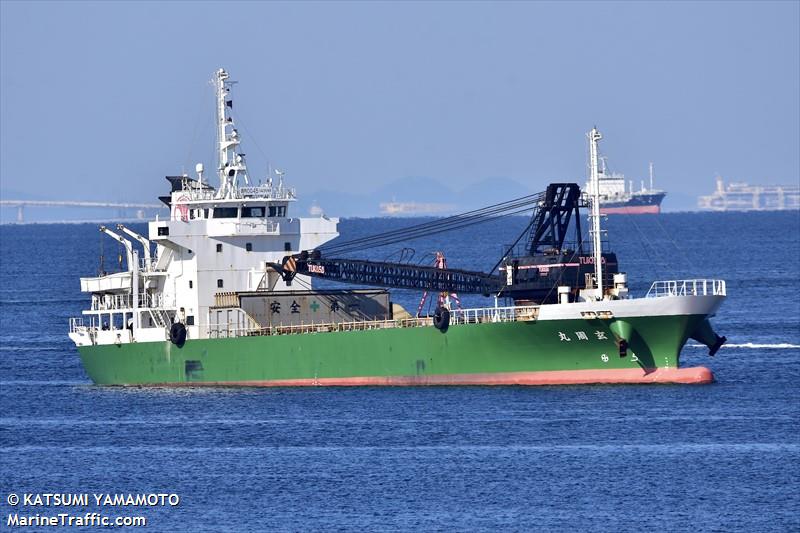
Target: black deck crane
548,260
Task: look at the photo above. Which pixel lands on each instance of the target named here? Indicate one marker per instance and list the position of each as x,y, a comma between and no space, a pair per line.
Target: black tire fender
177,334
441,318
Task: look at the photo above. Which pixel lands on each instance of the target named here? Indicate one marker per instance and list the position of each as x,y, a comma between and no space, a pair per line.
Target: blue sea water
721,457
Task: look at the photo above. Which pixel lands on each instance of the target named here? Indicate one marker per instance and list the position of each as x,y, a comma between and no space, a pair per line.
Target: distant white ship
414,208
743,197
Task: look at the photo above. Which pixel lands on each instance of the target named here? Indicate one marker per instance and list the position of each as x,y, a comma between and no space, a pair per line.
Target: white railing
479,315
108,302
493,314
76,325
156,300
457,317
266,191
81,327
148,267
111,302
687,287
260,192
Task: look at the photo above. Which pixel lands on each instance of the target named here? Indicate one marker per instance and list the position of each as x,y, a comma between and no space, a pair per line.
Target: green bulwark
533,352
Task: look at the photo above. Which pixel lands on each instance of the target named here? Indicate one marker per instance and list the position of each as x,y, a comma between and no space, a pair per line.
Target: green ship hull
215,305
505,353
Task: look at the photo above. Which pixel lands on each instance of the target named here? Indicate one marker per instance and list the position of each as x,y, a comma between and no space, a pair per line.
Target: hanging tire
441,318
177,334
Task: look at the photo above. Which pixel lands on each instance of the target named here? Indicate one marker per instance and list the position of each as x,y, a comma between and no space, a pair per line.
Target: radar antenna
231,163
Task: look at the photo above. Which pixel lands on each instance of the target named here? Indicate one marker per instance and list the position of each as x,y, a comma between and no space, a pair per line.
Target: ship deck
480,315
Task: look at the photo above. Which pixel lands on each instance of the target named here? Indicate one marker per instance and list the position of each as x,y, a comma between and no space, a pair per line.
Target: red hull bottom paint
692,375
632,210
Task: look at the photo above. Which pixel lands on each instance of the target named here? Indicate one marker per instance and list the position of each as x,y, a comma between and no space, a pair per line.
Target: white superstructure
217,240
613,187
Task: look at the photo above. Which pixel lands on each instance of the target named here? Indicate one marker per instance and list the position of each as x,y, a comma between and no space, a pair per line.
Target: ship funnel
705,335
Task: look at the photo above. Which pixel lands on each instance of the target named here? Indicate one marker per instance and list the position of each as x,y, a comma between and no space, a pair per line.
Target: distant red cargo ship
616,199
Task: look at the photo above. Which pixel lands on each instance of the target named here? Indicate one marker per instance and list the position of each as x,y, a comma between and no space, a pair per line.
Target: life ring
441,318
177,334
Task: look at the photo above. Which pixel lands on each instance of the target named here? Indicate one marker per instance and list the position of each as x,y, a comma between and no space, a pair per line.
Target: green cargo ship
226,299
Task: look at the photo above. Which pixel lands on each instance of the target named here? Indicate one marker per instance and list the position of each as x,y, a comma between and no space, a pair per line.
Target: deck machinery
529,273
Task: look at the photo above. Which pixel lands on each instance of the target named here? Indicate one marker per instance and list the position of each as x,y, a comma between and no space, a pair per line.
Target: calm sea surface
721,457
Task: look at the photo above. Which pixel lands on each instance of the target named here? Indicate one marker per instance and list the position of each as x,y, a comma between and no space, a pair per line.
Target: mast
231,163
594,179
222,153
651,175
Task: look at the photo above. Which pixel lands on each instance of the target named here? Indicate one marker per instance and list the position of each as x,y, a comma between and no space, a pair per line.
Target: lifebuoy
177,334
441,318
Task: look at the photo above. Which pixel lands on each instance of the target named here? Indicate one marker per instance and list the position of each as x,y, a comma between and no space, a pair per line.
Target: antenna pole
231,162
222,152
597,244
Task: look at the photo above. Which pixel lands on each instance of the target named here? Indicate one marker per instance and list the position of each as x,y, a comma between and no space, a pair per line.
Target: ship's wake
753,345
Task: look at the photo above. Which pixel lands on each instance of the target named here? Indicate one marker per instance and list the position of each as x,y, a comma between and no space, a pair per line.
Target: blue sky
100,100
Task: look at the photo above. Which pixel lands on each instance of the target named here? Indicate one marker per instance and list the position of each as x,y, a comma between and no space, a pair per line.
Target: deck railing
687,287
457,317
115,302
494,314
259,192
482,315
76,325
146,266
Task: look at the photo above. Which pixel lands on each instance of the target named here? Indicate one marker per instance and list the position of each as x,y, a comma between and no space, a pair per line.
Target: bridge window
277,210
225,212
219,248
248,246
253,212
163,231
